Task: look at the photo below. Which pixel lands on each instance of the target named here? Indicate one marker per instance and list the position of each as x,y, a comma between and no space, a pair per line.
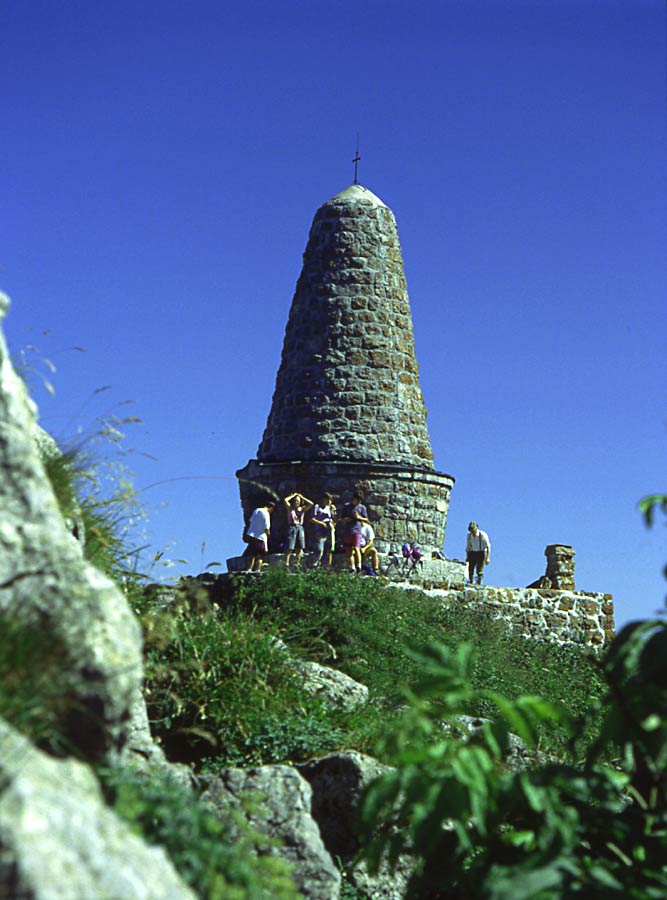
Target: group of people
357,532
358,537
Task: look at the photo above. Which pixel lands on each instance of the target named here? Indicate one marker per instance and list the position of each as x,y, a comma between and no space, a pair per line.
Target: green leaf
514,884
648,505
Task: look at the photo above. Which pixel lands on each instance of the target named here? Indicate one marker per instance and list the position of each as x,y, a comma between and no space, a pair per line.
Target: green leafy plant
480,829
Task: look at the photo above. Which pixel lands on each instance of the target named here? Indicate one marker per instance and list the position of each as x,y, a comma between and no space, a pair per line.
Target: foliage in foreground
481,831
221,859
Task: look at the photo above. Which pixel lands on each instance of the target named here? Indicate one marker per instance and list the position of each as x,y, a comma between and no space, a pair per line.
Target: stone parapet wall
560,616
401,503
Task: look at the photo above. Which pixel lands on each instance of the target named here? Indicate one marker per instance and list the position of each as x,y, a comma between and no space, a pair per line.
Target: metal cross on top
356,161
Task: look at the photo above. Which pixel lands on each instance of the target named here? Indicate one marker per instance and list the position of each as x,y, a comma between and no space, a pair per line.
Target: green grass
220,690
363,628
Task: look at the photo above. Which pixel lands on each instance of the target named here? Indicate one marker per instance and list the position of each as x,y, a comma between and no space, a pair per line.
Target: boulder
44,580
334,687
276,801
141,753
58,840
338,781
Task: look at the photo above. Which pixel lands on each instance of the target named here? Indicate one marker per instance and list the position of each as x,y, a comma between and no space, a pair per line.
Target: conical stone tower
348,412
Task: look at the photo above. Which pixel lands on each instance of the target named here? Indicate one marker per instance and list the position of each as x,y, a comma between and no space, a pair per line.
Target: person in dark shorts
258,530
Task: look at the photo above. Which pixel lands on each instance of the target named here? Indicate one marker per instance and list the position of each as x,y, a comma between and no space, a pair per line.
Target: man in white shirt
257,532
478,552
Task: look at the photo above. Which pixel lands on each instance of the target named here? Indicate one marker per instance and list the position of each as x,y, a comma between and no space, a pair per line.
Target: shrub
481,831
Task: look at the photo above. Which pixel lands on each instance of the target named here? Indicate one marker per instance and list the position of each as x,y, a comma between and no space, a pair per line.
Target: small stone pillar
560,566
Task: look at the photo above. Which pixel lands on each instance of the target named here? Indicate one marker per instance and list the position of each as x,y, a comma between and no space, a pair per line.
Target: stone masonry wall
348,384
560,616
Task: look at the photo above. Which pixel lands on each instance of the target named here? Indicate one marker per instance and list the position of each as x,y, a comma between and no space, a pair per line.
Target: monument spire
347,410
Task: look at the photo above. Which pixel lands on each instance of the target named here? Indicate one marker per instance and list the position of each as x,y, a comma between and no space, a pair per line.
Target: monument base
403,504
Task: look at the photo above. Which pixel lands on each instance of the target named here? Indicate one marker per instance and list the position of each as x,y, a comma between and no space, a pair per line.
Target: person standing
324,520
354,516
478,552
297,507
258,530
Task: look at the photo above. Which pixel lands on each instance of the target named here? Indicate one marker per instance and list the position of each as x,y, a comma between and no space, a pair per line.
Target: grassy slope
221,690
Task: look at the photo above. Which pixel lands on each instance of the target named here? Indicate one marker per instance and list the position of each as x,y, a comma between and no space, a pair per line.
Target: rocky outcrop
44,580
276,801
141,753
338,781
58,840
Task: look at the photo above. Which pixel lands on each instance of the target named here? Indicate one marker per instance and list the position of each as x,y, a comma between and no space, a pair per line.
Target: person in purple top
354,516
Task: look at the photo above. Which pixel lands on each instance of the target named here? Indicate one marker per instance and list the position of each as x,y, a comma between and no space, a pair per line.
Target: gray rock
45,580
141,753
280,808
58,841
334,687
338,781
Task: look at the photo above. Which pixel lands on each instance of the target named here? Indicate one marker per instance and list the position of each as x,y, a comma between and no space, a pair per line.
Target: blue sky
162,162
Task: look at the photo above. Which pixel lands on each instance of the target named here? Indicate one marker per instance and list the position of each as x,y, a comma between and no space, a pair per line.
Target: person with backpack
412,555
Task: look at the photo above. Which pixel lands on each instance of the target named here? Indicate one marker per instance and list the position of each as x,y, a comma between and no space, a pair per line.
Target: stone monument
348,412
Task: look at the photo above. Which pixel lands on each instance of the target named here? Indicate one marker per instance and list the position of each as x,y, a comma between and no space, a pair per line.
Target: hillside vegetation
221,690
582,814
